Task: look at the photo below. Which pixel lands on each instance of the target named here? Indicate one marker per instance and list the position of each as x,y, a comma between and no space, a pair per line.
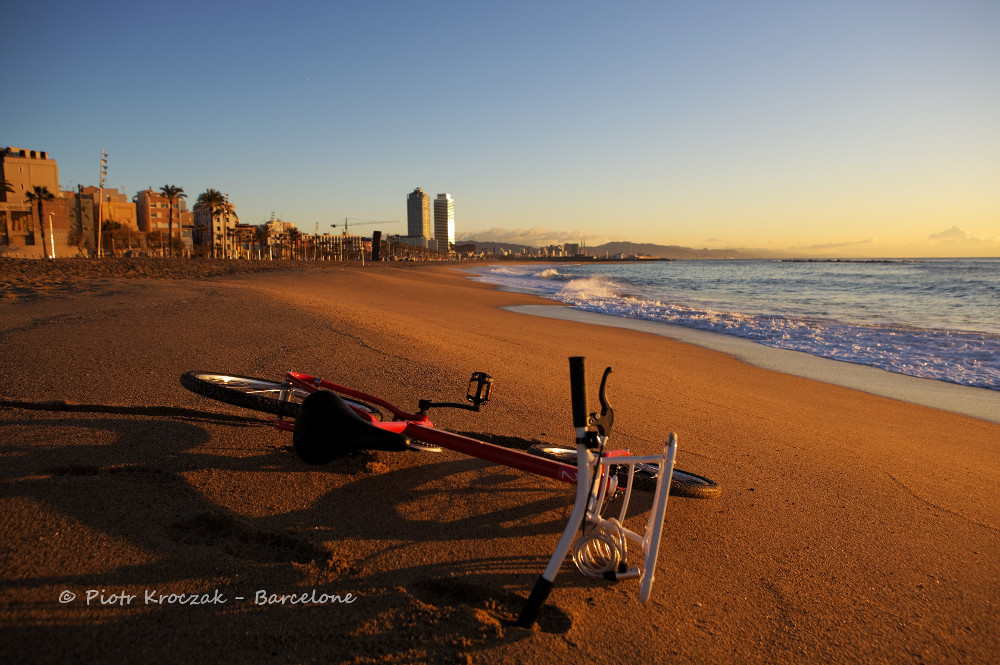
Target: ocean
930,318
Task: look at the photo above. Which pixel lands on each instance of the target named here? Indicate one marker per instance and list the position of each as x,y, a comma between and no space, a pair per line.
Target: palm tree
294,235
37,196
211,200
110,231
260,233
173,193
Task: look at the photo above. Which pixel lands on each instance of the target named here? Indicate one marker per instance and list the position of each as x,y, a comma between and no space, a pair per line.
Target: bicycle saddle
327,428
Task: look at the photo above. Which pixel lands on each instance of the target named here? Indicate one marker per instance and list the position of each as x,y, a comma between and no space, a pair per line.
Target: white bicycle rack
600,544
601,550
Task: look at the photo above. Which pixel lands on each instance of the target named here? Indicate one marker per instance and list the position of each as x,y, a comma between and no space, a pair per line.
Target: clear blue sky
865,127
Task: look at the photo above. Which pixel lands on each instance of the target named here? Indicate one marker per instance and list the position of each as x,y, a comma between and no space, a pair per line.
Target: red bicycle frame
418,426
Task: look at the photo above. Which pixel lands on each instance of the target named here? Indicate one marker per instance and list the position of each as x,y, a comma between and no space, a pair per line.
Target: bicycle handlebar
578,393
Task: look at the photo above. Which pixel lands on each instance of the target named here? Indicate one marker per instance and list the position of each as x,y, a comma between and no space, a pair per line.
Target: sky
835,128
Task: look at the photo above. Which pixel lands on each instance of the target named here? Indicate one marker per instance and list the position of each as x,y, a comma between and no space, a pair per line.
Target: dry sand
852,528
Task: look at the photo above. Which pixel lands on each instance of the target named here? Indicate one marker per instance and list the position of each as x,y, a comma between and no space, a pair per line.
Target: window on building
20,221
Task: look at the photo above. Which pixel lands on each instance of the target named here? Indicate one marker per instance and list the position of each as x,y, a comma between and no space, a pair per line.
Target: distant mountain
663,251
614,249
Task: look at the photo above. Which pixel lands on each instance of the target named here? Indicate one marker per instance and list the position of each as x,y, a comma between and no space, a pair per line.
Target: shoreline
980,403
974,400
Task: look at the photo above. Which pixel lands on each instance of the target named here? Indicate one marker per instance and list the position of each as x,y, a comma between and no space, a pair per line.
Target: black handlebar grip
535,601
578,390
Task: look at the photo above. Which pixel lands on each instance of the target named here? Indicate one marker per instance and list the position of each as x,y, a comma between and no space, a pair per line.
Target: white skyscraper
444,221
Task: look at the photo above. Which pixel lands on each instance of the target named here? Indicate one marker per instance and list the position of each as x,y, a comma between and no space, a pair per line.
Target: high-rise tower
444,220
418,214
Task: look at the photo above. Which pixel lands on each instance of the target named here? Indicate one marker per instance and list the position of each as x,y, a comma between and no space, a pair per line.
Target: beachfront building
27,169
278,234
69,217
354,247
276,227
244,239
328,246
116,207
24,170
153,218
279,239
215,226
340,247
80,216
412,247
418,214
444,221
81,209
119,224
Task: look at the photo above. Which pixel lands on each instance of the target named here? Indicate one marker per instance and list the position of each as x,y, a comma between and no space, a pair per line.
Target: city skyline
861,129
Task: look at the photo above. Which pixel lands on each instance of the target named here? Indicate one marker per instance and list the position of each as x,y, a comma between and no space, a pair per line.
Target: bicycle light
479,388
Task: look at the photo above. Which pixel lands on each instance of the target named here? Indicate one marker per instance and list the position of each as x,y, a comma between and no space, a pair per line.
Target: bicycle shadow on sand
122,482
121,479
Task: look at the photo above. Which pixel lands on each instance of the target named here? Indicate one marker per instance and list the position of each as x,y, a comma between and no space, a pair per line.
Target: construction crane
351,221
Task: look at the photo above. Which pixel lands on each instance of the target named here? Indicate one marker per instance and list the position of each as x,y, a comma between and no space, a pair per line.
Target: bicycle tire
257,394
682,483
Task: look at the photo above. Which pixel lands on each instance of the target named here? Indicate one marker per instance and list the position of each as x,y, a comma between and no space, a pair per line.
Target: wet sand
852,527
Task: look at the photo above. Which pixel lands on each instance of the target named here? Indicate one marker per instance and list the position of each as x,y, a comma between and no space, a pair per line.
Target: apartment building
24,170
153,216
27,169
114,207
215,232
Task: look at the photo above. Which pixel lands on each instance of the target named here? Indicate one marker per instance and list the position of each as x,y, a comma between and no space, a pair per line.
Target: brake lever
606,420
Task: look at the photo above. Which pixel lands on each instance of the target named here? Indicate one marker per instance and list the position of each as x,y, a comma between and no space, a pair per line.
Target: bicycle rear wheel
682,483
257,394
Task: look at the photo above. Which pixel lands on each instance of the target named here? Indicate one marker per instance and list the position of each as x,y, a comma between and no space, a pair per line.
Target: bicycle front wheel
682,483
264,395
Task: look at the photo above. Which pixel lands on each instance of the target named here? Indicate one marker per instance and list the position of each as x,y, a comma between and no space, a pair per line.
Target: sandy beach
852,528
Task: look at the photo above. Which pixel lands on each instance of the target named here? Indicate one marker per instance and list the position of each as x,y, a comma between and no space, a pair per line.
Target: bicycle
332,420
